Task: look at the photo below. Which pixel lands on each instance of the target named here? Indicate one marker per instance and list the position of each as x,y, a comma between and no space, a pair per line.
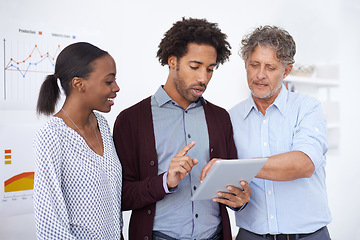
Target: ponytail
48,96
74,60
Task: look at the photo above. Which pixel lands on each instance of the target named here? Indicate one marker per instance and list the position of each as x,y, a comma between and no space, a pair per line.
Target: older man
289,198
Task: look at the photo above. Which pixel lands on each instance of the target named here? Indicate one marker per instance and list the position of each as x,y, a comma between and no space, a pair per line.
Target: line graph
26,66
14,65
27,56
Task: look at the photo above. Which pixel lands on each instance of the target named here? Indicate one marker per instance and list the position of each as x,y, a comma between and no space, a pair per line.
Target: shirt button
146,238
185,111
149,211
272,217
269,192
152,163
264,121
189,135
265,144
194,187
196,215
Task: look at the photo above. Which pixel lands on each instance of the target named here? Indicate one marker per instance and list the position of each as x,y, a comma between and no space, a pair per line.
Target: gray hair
271,36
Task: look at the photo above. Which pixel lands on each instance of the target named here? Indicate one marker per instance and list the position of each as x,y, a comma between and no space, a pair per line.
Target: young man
164,141
289,198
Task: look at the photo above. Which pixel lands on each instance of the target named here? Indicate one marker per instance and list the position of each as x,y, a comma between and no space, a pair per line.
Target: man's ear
287,70
78,84
172,61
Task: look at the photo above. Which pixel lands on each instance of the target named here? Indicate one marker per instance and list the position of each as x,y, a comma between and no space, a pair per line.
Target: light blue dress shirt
174,127
293,122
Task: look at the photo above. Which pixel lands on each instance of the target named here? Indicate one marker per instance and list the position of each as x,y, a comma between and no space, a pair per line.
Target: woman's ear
78,84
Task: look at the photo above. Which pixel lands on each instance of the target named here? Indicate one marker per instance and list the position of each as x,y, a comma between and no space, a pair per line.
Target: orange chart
21,182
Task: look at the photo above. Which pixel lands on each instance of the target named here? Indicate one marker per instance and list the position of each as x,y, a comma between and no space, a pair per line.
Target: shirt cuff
167,190
238,209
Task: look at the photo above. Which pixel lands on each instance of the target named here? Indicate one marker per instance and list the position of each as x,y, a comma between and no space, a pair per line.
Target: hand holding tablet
227,172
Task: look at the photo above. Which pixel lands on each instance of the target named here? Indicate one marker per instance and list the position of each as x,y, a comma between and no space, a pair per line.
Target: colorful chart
17,169
25,68
21,182
31,63
27,57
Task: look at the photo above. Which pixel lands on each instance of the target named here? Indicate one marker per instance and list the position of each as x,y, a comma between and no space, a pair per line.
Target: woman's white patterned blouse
77,193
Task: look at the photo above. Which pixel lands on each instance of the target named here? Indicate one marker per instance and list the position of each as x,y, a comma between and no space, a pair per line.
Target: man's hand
180,166
207,168
237,197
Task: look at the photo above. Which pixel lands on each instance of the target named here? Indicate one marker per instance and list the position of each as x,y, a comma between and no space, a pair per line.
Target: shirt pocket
283,138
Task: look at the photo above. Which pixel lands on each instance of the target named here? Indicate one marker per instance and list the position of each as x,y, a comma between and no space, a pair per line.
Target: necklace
84,133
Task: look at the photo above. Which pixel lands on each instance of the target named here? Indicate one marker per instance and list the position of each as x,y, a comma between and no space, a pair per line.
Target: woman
77,190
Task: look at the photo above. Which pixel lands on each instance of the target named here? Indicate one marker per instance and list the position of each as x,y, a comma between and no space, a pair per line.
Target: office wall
326,32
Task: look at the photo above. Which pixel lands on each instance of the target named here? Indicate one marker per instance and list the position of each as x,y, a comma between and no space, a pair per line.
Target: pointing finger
185,149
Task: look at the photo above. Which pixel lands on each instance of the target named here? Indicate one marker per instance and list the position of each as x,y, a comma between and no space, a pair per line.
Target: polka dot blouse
77,193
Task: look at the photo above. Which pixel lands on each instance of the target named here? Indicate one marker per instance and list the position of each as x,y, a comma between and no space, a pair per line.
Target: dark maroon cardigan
142,186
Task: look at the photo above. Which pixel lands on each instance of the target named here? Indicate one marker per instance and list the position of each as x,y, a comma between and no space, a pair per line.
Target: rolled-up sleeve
310,134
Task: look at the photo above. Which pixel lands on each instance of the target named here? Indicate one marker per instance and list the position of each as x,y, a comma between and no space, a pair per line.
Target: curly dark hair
199,31
273,37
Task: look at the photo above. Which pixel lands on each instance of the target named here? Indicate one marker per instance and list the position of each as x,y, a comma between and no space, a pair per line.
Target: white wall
326,32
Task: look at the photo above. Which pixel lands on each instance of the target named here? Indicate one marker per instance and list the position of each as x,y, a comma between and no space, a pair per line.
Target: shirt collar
281,100
162,98
279,103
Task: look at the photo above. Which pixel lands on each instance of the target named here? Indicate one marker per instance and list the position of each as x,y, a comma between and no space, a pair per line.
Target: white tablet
225,173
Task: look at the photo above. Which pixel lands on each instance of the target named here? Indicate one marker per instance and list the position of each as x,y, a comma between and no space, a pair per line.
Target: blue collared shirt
293,122
174,127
